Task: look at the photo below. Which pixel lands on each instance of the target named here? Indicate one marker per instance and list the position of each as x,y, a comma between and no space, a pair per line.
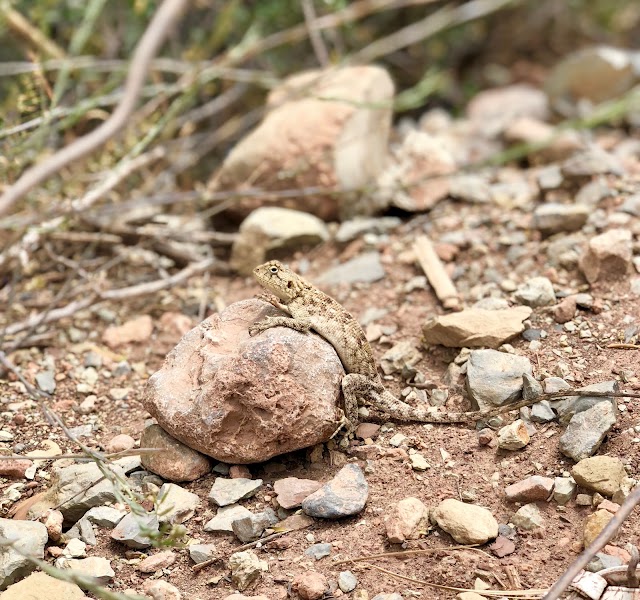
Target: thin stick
592,549
315,37
19,24
166,16
80,457
436,273
404,553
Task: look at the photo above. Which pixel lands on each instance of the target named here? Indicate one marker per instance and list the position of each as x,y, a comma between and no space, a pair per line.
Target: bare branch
167,15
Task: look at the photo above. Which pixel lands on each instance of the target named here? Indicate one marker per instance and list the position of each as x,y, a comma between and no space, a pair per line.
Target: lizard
311,309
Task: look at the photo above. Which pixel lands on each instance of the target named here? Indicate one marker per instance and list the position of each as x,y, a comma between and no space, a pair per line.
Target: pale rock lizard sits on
311,308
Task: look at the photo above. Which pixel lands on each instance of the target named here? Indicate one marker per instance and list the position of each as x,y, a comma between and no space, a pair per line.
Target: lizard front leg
301,325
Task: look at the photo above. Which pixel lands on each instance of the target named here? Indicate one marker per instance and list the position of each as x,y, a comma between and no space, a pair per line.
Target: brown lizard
309,308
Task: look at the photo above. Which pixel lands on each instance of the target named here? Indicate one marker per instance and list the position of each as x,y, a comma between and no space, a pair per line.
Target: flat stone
345,495
541,412
354,228
129,530
531,489
95,566
495,378
105,516
572,405
365,268
474,327
29,537
46,381
465,523
177,461
229,491
586,431
14,468
347,581
553,217
603,474
318,551
157,562
133,331
174,504
291,491
40,586
225,517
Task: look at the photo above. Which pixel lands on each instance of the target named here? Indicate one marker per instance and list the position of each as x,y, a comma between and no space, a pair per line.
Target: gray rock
272,228
83,530
318,551
134,530
531,387
71,489
593,161
174,504
402,355
97,567
29,538
245,568
46,381
555,384
631,205
349,230
226,515
347,581
200,553
470,188
541,412
549,177
528,517
608,256
495,378
587,430
603,561
563,489
365,268
383,596
250,528
554,217
535,292
572,405
105,516
229,491
345,495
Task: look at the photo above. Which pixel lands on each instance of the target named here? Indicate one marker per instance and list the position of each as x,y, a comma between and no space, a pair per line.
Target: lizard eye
273,269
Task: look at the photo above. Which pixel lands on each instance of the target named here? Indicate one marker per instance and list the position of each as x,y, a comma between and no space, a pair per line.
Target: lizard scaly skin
309,308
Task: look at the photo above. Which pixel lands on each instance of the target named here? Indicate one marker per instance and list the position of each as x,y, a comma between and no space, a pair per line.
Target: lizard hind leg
356,388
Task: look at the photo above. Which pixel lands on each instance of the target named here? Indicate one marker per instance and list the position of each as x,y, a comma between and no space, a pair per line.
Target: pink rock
136,330
120,443
367,430
155,562
323,128
291,491
530,489
241,399
175,461
403,520
310,585
14,468
239,472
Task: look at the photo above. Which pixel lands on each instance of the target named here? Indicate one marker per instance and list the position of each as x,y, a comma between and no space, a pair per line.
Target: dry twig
436,273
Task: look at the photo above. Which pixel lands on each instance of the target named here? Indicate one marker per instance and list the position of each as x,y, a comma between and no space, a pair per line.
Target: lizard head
279,280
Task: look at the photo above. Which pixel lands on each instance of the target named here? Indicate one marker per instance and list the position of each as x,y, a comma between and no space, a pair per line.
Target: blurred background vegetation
46,100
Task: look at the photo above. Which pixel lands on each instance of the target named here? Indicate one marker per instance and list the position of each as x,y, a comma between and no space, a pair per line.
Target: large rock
475,327
587,430
272,228
28,538
241,399
495,378
603,474
324,129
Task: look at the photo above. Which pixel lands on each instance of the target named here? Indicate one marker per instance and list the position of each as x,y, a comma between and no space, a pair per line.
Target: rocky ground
544,256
